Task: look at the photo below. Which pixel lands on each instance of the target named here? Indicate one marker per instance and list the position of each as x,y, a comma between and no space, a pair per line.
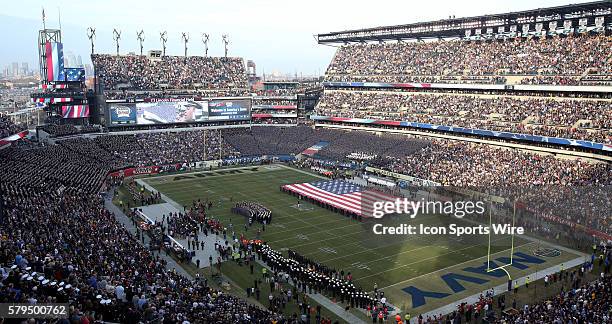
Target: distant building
70,60
252,72
25,69
15,69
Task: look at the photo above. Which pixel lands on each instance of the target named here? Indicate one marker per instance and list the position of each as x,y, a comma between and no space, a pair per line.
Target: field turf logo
205,174
454,281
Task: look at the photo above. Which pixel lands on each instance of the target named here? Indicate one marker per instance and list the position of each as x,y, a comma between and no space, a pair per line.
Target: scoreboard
176,111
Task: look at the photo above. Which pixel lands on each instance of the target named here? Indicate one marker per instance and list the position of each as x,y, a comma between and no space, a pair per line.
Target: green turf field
393,263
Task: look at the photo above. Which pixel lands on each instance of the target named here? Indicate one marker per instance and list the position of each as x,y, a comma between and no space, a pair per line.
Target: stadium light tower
185,41
140,35
205,38
163,36
225,43
117,37
91,34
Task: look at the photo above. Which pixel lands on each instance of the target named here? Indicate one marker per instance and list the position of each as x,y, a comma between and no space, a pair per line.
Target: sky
277,34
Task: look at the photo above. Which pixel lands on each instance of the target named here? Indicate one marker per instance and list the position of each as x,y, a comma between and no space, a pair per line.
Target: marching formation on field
255,212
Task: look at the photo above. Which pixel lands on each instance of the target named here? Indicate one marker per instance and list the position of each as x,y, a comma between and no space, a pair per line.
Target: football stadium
452,170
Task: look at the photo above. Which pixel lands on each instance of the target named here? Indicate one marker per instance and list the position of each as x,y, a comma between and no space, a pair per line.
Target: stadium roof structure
459,27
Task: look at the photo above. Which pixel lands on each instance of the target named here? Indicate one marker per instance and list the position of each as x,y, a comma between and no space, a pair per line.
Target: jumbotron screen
173,112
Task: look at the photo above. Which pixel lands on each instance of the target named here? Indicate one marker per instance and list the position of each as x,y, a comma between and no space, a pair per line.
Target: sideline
125,221
167,199
302,171
325,302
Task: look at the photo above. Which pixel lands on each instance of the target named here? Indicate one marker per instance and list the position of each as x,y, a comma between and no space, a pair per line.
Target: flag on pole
54,55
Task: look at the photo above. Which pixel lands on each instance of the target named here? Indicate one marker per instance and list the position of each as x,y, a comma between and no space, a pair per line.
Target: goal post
502,267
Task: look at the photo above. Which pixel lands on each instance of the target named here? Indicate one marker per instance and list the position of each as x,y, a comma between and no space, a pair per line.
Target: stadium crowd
454,163
53,261
570,206
8,128
268,119
179,93
587,303
561,56
137,72
53,198
68,129
276,101
575,118
294,140
480,79
153,148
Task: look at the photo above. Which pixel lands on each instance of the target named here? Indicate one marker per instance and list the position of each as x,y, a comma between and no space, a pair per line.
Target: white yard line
455,265
302,171
202,171
421,260
313,225
371,250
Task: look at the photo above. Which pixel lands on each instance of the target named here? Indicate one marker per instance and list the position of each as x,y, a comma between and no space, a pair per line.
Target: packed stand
170,94
53,201
456,163
574,118
184,147
572,193
557,56
67,129
8,128
146,149
268,119
294,140
54,198
586,303
477,79
137,72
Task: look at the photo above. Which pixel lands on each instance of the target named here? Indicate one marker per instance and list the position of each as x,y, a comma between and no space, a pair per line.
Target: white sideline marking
416,262
458,264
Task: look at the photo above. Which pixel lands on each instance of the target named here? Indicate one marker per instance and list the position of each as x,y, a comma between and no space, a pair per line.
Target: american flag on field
341,194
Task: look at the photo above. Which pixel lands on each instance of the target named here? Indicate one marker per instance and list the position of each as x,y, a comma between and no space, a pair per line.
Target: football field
418,273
